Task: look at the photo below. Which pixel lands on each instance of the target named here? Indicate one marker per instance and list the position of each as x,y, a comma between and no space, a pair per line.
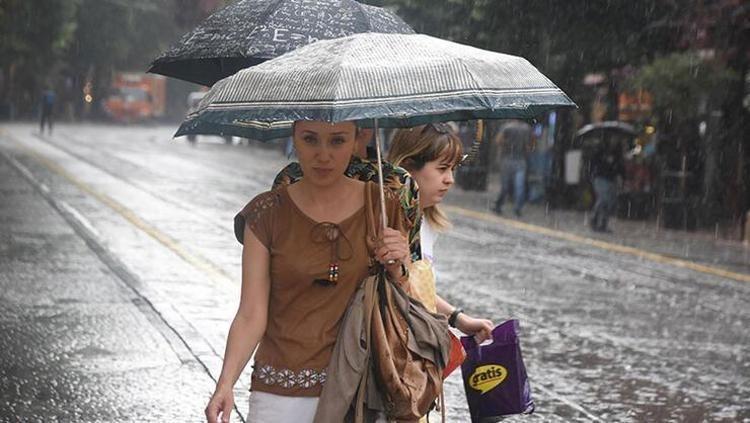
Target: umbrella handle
477,144
383,216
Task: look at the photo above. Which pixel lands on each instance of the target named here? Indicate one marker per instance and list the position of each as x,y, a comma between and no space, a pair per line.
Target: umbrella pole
383,216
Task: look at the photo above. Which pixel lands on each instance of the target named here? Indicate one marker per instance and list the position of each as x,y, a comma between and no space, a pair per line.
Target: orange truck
136,97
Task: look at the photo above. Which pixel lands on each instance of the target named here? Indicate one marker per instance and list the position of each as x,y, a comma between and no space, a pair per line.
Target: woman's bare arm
248,325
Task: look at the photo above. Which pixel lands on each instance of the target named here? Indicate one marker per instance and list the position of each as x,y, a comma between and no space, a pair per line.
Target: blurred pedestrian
607,171
306,248
514,143
46,110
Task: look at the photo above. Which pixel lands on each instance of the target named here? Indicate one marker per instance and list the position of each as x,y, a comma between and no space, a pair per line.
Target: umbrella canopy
610,125
249,32
400,80
599,134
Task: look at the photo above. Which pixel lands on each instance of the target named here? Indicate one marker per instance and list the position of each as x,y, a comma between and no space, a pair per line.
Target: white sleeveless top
427,237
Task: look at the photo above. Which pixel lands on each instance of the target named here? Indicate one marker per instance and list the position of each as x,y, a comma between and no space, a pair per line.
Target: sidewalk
78,343
698,246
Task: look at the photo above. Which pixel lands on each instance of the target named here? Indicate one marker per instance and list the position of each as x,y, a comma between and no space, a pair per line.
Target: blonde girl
431,153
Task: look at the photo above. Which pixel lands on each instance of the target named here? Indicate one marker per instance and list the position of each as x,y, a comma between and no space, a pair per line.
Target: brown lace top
304,314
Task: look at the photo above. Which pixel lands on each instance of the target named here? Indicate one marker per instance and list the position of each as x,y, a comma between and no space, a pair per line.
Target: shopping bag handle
505,333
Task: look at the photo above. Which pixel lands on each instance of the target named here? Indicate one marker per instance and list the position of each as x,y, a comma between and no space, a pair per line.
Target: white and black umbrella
400,80
388,80
249,32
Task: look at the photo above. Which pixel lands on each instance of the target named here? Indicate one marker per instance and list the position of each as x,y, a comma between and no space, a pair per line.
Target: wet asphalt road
120,275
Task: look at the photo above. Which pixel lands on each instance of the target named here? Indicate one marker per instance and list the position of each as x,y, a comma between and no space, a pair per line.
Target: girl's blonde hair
412,148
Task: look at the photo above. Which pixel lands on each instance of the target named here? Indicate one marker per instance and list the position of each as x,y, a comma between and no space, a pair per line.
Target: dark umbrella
610,125
591,136
249,32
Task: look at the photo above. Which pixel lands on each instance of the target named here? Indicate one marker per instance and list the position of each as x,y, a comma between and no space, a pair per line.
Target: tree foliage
31,31
65,43
35,36
564,39
684,85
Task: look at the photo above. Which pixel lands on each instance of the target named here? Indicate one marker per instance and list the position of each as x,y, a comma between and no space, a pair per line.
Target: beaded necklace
331,233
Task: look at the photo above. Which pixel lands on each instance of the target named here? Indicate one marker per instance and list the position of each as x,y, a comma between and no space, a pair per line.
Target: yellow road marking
608,246
214,272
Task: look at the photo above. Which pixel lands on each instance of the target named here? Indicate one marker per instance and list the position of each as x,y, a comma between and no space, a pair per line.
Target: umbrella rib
361,9
477,84
339,70
272,7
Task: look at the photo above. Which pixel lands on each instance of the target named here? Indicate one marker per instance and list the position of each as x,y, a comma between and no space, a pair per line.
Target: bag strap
442,403
440,406
370,298
371,217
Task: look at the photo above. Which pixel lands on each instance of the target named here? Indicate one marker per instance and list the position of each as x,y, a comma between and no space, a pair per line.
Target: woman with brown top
304,254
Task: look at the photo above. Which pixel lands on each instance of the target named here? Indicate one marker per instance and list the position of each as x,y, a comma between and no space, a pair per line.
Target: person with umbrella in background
607,171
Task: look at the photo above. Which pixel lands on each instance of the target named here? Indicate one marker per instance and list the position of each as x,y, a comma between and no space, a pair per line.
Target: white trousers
271,408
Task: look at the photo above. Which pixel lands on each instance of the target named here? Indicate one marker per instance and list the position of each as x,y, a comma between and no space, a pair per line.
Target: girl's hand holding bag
495,377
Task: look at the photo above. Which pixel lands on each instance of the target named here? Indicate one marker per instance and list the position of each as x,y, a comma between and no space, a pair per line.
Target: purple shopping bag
495,377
